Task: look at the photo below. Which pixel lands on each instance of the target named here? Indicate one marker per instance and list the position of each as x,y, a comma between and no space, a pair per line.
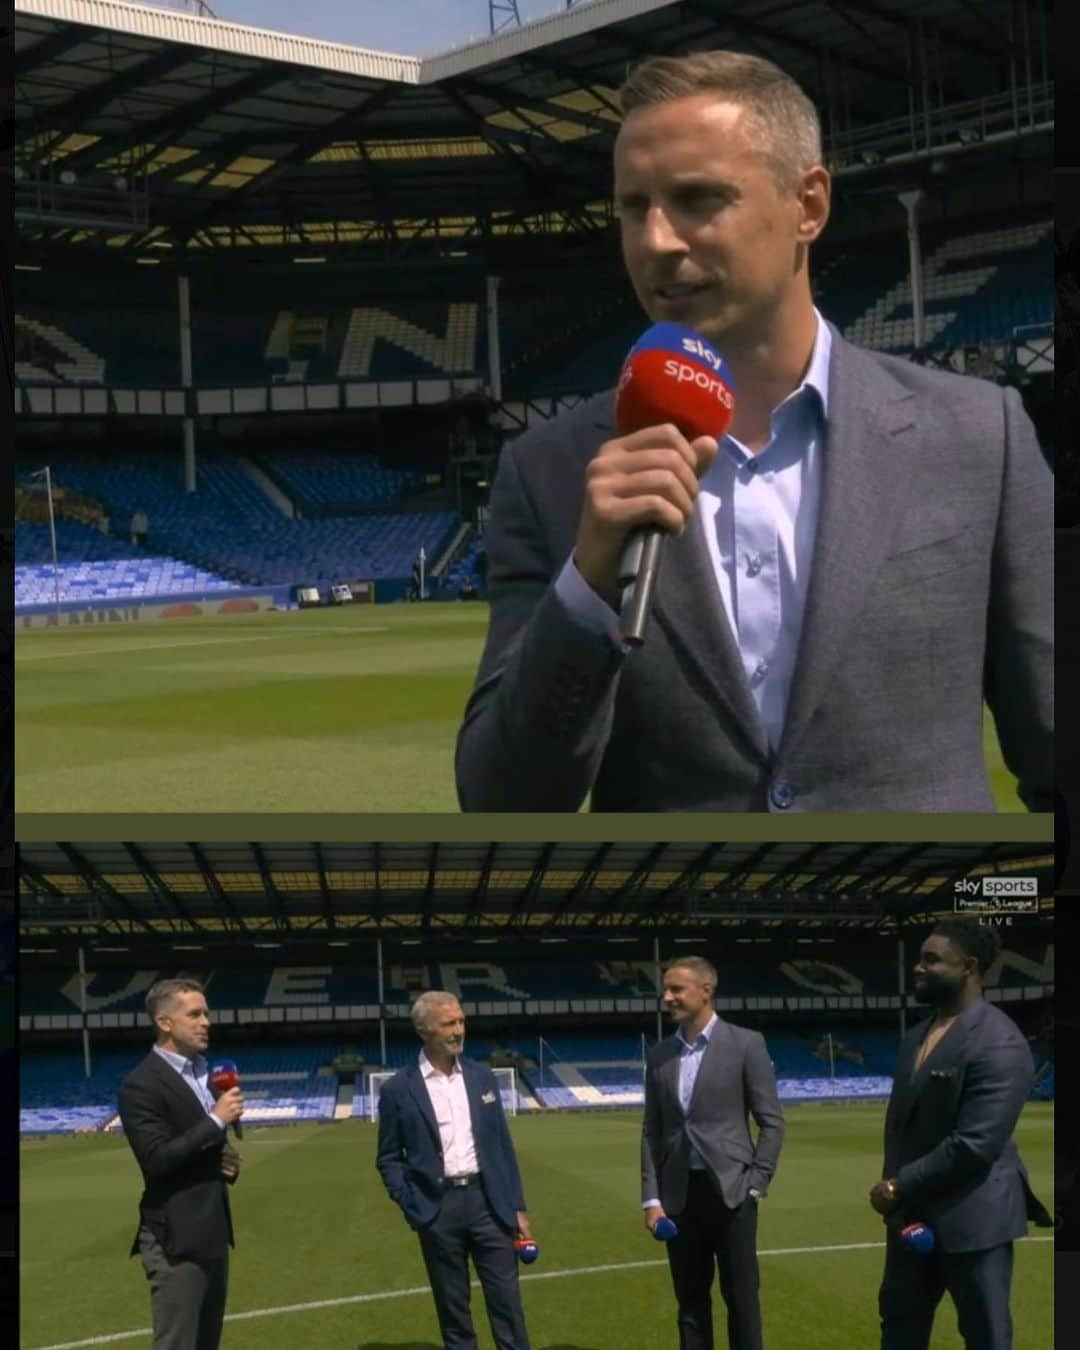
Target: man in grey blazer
699,1165
859,564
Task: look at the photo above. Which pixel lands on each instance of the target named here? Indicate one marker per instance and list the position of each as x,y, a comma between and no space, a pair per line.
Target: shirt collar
817,372
816,378
430,1071
181,1063
706,1031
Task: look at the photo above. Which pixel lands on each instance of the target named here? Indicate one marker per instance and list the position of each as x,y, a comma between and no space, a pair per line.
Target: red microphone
671,374
224,1076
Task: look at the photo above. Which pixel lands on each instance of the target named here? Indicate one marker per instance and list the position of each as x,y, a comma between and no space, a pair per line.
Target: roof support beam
214,886
169,127
303,148
158,888
272,892
97,97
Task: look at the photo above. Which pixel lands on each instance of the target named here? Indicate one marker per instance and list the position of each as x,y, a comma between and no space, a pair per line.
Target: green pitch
353,709
323,1259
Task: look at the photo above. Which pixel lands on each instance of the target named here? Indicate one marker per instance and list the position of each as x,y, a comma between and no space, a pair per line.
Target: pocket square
488,1098
942,1073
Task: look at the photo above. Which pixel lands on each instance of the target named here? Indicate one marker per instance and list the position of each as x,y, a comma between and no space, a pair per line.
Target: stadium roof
225,892
141,127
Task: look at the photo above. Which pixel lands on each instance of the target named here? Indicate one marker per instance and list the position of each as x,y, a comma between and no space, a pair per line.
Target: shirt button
753,565
781,795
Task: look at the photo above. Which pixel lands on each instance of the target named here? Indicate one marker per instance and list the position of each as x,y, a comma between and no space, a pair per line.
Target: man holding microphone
177,1130
699,1166
856,553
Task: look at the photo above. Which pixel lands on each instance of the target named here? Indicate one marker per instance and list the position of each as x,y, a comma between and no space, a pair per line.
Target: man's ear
815,199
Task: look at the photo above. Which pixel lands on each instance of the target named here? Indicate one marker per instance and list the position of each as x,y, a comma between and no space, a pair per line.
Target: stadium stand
321,481
227,533
280,1085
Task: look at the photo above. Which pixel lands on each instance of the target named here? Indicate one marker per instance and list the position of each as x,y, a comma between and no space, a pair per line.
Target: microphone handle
639,567
238,1129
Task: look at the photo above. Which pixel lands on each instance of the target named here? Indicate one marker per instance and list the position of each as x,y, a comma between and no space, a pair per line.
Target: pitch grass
314,1226
339,710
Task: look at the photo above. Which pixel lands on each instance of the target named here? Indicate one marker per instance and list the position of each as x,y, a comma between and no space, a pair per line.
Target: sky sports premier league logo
997,899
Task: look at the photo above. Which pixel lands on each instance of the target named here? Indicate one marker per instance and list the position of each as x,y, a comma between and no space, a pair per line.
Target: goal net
506,1079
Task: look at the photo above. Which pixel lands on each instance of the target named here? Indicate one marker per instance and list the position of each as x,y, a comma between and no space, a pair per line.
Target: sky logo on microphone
695,346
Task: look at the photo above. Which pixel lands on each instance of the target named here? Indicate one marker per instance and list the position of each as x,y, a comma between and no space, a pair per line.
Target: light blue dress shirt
195,1073
690,1057
760,514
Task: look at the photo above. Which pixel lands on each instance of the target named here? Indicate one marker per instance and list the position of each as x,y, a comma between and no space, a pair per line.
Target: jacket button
781,794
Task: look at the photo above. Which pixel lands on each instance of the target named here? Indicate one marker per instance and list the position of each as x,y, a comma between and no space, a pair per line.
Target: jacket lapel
713,1050
688,606
669,1072
174,1085
418,1089
866,470
944,1055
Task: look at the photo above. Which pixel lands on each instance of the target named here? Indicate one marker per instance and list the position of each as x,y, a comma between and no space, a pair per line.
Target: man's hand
883,1196
523,1229
229,1107
653,1215
230,1163
648,479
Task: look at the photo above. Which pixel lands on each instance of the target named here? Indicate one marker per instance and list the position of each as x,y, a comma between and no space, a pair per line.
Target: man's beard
936,993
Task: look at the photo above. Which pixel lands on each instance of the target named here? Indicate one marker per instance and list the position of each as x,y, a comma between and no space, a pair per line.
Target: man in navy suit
446,1157
950,1161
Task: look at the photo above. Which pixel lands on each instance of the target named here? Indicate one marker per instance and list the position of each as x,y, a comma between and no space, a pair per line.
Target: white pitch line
426,1289
135,648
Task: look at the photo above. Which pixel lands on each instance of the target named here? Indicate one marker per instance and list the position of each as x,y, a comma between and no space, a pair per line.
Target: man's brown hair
162,993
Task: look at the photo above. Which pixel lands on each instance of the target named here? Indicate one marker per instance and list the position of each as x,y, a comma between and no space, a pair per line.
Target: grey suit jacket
930,590
735,1080
949,1128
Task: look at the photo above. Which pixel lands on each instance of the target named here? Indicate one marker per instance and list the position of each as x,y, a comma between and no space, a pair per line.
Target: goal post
505,1078
508,1089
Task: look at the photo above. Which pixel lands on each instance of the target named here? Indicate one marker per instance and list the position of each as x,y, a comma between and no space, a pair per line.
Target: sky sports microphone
671,374
224,1076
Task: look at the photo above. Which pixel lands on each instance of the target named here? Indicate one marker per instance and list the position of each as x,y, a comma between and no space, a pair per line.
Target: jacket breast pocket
916,564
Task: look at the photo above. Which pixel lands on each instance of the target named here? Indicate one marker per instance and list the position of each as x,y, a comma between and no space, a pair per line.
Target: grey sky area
413,27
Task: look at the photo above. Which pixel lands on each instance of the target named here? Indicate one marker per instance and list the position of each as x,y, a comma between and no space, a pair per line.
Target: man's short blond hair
704,971
779,117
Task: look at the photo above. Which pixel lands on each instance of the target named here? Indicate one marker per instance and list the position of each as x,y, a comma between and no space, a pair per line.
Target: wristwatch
755,1194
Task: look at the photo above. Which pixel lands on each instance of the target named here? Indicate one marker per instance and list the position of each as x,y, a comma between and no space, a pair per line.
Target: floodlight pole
382,1003
494,351
659,1009
832,1057
901,979
82,1008
52,540
910,202
184,297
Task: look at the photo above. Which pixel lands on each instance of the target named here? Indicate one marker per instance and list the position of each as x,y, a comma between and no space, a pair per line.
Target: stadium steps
267,486
277,343
83,368
571,1077
455,351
